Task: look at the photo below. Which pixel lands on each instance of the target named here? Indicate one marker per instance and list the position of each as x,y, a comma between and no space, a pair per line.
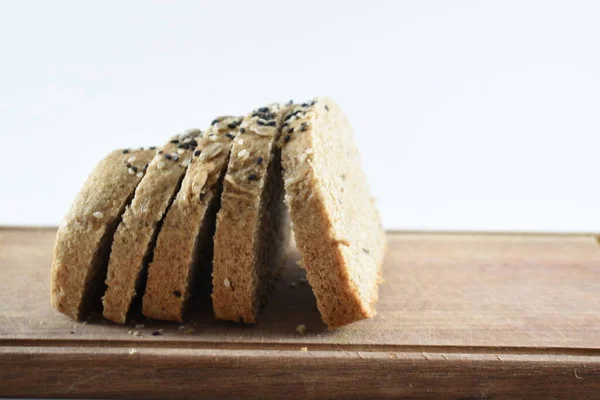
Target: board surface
460,316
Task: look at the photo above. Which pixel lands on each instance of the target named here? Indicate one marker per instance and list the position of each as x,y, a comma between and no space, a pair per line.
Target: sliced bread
184,245
135,237
252,231
84,237
335,222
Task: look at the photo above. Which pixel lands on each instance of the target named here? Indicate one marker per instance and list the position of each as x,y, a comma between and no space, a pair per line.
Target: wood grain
460,316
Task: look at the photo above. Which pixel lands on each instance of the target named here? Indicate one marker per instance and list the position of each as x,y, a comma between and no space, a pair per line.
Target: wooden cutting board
460,316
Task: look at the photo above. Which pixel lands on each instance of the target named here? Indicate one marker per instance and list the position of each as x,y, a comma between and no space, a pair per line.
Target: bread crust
83,239
184,245
135,237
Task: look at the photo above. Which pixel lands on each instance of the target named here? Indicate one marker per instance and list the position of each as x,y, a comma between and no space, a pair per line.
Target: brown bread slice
135,237
252,231
84,237
184,245
336,224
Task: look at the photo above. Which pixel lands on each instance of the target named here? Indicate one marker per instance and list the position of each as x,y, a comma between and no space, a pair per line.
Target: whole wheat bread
84,237
135,237
335,222
184,245
252,231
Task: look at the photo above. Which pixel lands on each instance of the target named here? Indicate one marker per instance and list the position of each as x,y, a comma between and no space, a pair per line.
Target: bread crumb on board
303,348
301,329
132,351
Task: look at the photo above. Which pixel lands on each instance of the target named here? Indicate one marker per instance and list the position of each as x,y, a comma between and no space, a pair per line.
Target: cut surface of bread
84,237
184,245
252,230
136,234
335,222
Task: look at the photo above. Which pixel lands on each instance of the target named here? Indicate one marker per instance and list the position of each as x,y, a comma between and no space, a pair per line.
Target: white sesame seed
302,157
175,157
226,282
98,214
243,153
136,333
139,174
180,151
186,162
131,159
212,137
132,351
240,141
160,164
191,131
181,327
131,171
187,139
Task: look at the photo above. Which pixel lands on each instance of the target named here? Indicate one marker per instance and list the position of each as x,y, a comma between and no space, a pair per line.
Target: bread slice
184,245
252,231
83,239
135,237
335,222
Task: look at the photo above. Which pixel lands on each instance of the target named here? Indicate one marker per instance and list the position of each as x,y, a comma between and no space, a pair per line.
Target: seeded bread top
84,236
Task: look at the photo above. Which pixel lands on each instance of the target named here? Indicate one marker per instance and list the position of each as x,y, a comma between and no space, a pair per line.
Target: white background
469,115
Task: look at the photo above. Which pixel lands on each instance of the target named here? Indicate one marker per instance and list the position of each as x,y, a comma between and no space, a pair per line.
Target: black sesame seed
242,130
197,153
183,146
287,138
260,122
290,102
366,250
193,143
125,151
291,130
168,156
327,108
305,105
72,333
156,333
177,293
134,168
232,125
128,165
153,148
271,123
175,141
141,148
303,127
160,152
215,121
287,117
230,136
202,196
252,177
259,160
